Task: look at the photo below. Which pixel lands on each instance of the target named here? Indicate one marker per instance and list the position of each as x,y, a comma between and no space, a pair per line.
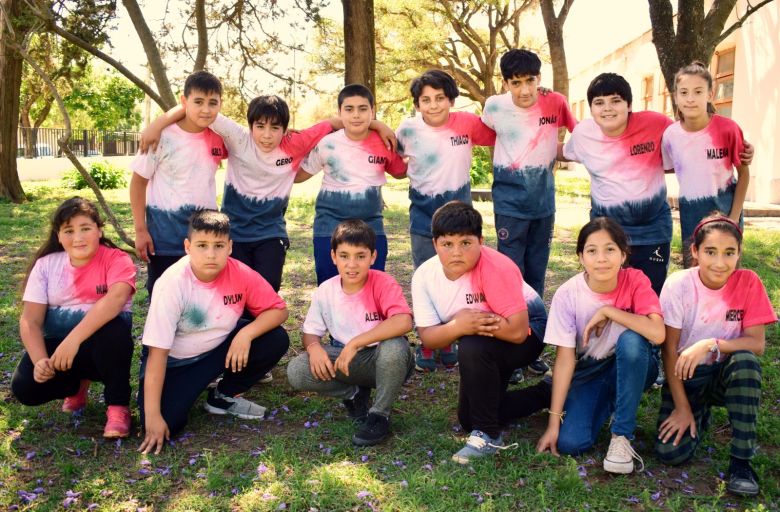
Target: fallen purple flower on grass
431,391
27,497
445,488
429,453
192,461
582,471
307,424
164,471
363,494
285,408
684,475
655,496
106,493
428,467
633,499
213,494
363,458
442,386
144,471
721,475
262,469
404,397
404,483
282,506
234,491
92,506
29,455
478,497
256,452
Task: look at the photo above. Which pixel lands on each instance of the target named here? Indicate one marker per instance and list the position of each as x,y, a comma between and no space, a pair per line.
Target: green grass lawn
302,458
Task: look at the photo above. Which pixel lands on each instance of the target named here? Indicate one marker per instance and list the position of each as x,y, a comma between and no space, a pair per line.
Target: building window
668,107
647,89
723,64
582,109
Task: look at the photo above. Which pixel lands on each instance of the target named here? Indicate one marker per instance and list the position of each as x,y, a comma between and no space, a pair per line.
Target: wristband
559,414
715,349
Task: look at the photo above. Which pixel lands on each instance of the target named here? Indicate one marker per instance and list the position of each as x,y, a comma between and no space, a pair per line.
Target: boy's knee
471,346
746,361
573,445
632,346
394,350
22,389
673,455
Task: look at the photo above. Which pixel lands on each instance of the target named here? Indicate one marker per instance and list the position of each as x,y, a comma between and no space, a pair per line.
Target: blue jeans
527,242
602,387
422,249
324,266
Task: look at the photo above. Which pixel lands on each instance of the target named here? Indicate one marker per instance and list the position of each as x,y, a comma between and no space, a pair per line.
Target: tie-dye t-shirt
439,163
495,284
69,292
190,317
345,316
352,185
627,175
526,148
258,184
574,304
181,181
703,162
702,313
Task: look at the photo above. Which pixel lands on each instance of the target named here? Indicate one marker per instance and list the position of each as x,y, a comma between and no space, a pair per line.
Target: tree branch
203,36
741,19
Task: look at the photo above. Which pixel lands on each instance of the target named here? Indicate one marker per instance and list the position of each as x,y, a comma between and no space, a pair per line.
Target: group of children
214,322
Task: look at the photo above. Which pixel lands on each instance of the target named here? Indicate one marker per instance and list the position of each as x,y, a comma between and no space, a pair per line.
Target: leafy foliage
481,166
110,103
106,176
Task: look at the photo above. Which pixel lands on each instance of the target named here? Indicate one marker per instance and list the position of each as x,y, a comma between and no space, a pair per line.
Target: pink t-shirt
345,316
495,284
574,304
191,317
701,313
181,180
71,291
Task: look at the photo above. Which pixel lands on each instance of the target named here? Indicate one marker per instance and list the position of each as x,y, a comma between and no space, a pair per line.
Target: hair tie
723,218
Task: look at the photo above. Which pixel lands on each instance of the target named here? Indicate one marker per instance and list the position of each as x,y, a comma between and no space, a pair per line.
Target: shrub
106,176
481,167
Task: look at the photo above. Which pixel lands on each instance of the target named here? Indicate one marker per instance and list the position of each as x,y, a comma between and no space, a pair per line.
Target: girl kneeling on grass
604,322
75,323
715,317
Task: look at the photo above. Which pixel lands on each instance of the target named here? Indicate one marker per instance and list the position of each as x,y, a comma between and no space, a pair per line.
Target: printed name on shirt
735,315
373,317
101,289
641,149
284,161
459,140
717,153
548,120
216,152
475,298
375,159
233,299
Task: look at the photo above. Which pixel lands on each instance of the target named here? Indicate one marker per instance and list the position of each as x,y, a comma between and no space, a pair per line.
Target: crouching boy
193,334
366,315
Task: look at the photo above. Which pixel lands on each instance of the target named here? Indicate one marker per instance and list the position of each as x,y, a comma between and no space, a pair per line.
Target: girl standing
702,149
75,323
715,316
604,322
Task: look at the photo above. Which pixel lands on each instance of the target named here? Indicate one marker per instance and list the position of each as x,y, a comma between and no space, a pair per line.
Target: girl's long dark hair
66,211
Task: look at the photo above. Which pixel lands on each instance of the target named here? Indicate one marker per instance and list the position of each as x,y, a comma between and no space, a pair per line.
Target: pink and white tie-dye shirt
346,316
702,313
190,317
70,292
574,304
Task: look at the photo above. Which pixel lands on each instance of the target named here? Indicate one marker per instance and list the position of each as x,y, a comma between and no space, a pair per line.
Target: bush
106,176
481,167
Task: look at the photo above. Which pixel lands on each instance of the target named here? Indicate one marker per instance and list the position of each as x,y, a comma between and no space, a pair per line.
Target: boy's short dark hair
272,109
356,90
607,84
353,232
202,81
456,218
520,62
209,221
437,79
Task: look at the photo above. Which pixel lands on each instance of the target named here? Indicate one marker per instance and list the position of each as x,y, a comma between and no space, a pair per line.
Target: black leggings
184,384
485,367
266,257
104,357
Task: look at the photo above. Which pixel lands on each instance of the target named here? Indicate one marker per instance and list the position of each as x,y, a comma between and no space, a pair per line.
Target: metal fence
42,142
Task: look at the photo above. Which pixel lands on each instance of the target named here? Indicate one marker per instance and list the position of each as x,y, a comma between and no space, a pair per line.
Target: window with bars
647,91
723,65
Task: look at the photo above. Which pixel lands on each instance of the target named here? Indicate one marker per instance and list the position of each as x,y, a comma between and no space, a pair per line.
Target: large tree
553,25
696,33
359,40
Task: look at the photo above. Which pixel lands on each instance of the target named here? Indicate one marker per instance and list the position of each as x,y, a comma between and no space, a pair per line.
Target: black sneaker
357,406
538,367
743,481
517,376
373,431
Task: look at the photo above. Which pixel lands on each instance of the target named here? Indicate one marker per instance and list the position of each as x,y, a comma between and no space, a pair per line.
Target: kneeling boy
366,314
474,294
193,334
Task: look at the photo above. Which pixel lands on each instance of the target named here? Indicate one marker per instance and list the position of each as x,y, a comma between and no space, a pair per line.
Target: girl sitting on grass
75,323
604,322
715,316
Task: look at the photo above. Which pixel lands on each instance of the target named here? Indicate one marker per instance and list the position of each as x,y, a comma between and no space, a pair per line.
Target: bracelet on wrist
560,415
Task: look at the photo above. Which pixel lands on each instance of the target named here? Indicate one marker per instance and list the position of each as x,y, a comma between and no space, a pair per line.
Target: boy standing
354,161
169,184
366,315
193,334
526,125
473,294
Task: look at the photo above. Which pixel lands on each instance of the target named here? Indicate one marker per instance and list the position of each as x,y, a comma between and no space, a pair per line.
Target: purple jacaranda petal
262,469
429,453
684,475
106,493
29,455
233,491
307,424
39,490
478,497
67,502
192,461
428,467
431,391
315,424
445,488
213,494
144,471
363,458
633,499
285,408
582,471
363,494
404,397
92,506
404,483
655,495
72,494
282,506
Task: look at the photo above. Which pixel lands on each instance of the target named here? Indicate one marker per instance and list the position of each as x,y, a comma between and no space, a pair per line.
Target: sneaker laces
620,448
479,443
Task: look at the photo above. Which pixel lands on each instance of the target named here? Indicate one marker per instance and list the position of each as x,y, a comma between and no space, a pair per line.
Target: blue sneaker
478,445
538,367
449,356
423,360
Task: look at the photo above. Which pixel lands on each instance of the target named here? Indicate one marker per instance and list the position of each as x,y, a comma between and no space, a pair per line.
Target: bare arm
681,419
513,329
156,428
385,132
649,326
144,246
238,354
465,322
753,339
743,180
301,176
565,361
31,330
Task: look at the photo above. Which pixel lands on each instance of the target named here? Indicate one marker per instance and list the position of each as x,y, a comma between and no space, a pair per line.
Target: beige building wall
756,95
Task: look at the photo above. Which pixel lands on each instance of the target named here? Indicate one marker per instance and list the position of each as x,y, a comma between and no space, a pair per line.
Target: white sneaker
620,456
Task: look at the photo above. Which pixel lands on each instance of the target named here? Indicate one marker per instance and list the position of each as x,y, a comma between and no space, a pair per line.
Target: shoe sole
461,460
743,493
424,370
368,442
223,412
536,372
115,435
619,468
68,410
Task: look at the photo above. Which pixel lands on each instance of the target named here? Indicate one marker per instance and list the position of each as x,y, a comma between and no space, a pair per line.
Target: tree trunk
11,71
359,48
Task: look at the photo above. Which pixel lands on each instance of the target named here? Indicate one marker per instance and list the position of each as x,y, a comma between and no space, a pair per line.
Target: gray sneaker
237,406
478,445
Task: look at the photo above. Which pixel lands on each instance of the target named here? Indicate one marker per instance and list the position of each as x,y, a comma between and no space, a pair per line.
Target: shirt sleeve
232,133
260,295
313,161
395,167
120,269
299,144
145,165
218,142
501,282
315,322
36,289
164,313
758,307
481,133
571,150
672,304
565,117
644,299
487,117
390,296
561,322
425,314
666,149
737,145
